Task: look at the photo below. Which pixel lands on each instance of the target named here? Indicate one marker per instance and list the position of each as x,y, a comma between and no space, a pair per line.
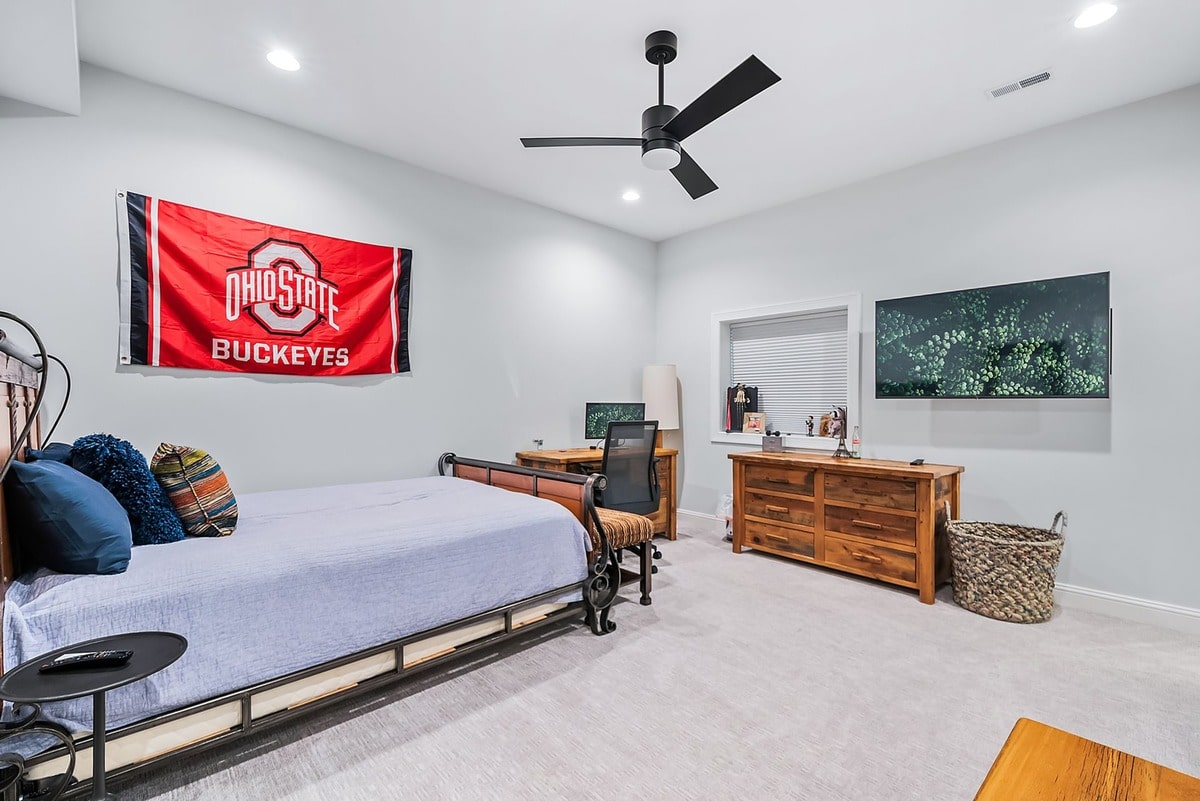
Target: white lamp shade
660,395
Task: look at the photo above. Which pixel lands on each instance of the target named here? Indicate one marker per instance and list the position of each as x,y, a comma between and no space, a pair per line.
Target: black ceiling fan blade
691,177
580,141
744,82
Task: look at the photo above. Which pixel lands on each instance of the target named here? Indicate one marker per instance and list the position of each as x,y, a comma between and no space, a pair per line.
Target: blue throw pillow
63,520
55,452
123,471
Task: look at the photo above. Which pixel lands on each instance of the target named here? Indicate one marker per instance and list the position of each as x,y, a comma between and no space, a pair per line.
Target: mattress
309,575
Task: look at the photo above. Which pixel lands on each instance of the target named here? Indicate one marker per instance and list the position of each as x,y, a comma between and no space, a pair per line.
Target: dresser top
872,467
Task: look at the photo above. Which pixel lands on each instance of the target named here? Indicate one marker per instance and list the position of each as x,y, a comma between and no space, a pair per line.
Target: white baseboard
1180,618
701,515
1126,607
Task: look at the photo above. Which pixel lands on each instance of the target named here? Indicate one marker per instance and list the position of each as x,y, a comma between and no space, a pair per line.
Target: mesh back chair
632,493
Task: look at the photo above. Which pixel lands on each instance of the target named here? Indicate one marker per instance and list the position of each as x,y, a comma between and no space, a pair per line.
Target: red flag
209,291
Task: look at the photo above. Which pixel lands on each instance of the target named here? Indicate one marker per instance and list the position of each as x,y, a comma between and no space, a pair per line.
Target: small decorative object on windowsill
772,442
809,424
837,428
739,399
754,423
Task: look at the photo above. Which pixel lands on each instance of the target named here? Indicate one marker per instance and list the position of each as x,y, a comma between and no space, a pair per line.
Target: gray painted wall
508,299
1117,191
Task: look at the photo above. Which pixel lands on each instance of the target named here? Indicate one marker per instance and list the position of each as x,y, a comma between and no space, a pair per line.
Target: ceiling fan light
662,155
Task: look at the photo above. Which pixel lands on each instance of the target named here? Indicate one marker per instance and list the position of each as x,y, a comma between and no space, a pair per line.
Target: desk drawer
783,479
895,493
786,510
874,560
658,518
873,525
777,538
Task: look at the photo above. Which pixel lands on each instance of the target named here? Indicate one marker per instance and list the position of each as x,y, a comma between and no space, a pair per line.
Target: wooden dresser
871,517
579,460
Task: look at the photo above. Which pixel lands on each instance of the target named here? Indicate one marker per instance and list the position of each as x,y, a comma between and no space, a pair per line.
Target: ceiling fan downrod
659,150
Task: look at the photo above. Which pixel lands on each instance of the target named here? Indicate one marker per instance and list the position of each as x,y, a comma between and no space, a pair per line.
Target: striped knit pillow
197,487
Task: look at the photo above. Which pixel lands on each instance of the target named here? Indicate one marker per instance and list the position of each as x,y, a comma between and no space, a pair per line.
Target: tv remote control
86,659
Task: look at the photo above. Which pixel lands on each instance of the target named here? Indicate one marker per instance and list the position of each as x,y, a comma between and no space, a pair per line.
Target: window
804,359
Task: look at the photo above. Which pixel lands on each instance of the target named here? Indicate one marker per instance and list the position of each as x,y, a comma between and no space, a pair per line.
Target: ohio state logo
281,288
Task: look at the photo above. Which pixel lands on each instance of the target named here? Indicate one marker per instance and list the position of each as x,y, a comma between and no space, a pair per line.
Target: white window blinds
797,362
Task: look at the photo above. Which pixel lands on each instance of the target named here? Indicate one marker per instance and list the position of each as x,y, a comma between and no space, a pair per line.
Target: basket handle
1060,517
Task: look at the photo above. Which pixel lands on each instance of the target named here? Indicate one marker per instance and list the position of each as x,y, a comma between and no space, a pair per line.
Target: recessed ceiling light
1094,15
284,60
631,195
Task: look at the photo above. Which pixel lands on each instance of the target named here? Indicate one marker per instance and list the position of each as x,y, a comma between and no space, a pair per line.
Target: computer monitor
596,417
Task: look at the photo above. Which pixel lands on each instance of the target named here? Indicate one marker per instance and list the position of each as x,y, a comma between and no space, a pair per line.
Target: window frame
719,366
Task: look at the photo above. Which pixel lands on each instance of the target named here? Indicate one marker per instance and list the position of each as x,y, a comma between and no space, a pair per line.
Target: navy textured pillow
123,471
65,521
54,452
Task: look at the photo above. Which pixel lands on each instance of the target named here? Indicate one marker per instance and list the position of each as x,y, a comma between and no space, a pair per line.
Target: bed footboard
577,494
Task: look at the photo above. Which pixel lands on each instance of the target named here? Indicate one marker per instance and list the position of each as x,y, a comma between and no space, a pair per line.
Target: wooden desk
1041,763
569,460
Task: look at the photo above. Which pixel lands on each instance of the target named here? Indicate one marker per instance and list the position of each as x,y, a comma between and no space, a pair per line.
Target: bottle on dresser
856,445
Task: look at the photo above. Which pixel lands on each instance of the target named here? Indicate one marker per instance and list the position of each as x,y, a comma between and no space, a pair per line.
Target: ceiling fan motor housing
660,150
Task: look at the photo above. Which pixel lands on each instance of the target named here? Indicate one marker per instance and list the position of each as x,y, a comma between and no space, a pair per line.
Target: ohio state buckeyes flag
208,291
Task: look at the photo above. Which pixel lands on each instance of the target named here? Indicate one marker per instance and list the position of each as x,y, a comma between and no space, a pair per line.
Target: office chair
632,493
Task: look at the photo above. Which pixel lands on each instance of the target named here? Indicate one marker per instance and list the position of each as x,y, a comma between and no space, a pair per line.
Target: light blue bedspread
308,576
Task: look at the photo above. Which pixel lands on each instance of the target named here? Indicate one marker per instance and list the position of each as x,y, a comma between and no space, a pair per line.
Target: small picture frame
754,423
823,430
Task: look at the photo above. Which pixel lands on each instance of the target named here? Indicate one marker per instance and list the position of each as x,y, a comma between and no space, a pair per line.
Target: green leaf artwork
1036,339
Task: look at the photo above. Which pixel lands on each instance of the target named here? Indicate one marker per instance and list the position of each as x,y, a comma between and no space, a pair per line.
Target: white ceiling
869,86
39,65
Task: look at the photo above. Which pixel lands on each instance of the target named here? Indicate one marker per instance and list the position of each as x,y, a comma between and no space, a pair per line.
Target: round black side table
152,651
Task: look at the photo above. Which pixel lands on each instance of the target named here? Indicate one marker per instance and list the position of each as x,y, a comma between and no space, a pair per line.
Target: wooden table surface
1042,763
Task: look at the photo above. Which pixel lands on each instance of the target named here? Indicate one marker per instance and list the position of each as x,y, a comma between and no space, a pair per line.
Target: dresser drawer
786,510
872,525
874,560
789,540
894,493
783,479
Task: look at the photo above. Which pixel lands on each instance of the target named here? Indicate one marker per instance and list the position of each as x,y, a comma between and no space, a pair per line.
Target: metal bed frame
599,591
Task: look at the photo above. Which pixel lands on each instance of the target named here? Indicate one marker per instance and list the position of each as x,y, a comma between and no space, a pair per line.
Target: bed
307,604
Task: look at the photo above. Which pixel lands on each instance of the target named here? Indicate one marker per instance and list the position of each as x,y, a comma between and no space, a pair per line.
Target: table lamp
661,396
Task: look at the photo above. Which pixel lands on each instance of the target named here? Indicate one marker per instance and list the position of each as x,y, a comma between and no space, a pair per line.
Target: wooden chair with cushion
630,467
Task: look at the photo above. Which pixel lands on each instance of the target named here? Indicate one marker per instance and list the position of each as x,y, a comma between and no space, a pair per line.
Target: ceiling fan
664,127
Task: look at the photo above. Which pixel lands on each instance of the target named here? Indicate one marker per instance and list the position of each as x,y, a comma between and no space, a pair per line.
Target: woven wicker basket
1005,571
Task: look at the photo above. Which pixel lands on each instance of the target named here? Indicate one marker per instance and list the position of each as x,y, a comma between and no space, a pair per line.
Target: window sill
792,442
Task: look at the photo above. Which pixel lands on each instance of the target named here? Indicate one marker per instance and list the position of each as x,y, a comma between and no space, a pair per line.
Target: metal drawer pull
866,557
783,510
867,524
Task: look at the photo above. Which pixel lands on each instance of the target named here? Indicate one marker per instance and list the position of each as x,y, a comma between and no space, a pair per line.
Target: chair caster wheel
657,554
653,569
645,602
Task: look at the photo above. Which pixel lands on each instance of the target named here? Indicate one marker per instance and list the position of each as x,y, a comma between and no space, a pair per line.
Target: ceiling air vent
1024,83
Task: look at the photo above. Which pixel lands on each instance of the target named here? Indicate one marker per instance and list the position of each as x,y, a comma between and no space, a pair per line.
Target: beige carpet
749,678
